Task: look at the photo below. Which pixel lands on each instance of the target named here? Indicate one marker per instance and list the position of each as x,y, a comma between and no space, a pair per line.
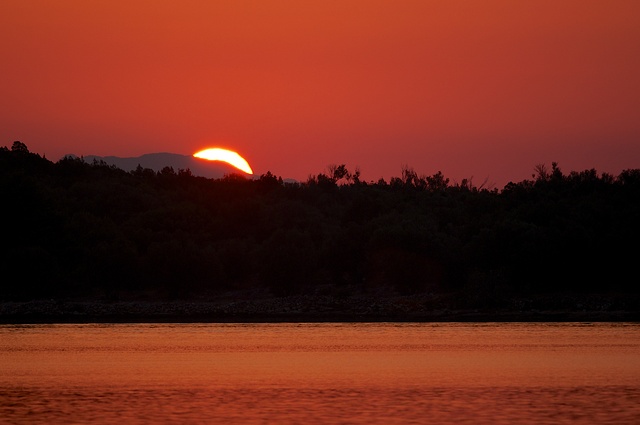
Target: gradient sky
475,89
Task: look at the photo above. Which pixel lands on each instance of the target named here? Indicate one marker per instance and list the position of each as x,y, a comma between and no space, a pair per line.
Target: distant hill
157,161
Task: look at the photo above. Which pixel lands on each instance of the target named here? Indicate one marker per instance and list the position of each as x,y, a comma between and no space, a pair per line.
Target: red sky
475,89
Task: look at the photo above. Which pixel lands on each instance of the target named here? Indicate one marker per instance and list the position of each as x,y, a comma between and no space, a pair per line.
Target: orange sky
482,89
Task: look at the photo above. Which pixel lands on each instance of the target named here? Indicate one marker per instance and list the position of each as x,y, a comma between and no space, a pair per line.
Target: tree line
90,230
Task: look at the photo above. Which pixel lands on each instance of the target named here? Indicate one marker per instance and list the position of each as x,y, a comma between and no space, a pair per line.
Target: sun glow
225,155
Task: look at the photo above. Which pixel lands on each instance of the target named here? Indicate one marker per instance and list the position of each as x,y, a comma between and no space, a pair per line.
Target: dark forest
77,230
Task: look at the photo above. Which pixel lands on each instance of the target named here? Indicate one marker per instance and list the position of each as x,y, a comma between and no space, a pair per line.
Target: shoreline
286,311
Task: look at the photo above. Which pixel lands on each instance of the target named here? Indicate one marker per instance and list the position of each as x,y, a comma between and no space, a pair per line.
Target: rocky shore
306,308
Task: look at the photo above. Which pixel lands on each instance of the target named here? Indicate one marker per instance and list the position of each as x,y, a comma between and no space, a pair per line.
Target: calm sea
363,373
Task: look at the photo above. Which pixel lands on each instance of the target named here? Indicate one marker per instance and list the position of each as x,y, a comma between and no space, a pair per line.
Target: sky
483,90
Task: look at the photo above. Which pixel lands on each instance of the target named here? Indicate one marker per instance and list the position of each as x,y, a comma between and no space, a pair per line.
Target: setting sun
225,155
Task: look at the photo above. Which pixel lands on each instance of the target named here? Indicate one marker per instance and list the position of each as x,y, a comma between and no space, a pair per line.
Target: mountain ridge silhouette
159,160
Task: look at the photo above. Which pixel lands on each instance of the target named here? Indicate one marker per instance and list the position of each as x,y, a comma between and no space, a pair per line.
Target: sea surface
336,373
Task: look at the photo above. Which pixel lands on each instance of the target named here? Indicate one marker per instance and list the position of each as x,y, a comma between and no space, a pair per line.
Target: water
386,373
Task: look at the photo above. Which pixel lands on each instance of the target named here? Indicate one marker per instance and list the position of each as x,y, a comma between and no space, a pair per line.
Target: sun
225,155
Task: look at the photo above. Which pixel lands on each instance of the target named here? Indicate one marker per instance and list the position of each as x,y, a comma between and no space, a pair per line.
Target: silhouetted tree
19,147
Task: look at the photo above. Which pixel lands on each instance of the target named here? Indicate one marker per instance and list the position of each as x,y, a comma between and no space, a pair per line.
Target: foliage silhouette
74,229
